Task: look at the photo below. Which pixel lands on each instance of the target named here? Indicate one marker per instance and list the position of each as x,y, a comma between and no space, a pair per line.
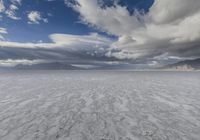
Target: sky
96,33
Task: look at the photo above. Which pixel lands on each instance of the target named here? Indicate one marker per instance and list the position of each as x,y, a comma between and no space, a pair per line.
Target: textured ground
89,105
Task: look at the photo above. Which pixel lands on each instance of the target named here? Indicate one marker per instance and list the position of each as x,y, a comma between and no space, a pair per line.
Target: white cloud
79,40
114,20
27,45
16,2
165,11
2,7
65,41
169,26
35,17
11,12
188,30
166,57
1,37
2,31
12,62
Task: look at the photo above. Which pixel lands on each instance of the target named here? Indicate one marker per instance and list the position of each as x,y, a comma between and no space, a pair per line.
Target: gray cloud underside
14,56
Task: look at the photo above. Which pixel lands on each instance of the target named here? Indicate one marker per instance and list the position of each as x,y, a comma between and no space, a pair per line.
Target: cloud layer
170,27
71,49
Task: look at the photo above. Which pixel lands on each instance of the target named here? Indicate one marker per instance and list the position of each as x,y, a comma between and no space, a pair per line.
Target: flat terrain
99,105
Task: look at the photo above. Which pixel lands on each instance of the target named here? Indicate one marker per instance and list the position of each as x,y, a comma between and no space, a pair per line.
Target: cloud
26,45
11,12
2,31
1,37
92,40
12,63
65,48
170,27
168,31
165,11
35,17
117,16
19,2
2,7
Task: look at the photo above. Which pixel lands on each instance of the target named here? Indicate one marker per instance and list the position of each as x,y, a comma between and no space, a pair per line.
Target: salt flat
99,105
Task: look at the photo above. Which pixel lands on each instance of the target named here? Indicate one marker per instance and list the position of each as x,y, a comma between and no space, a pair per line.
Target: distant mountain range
185,65
47,66
61,66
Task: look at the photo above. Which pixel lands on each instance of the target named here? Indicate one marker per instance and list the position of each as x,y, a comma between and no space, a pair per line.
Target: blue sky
58,21
61,19
140,32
